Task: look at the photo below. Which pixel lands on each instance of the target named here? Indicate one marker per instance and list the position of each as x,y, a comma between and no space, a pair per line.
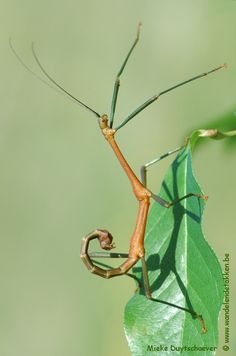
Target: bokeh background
59,179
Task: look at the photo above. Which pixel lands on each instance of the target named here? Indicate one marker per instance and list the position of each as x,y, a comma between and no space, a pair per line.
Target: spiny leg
117,82
155,97
148,294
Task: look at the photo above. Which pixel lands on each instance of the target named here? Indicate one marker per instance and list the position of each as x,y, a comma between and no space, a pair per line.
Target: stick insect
139,186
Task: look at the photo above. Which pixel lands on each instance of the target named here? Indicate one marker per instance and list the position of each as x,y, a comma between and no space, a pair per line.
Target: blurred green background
59,179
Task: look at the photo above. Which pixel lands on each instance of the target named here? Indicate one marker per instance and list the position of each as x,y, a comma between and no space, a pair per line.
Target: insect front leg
117,82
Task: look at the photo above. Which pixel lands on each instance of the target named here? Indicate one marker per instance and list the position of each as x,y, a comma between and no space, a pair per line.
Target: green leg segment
117,82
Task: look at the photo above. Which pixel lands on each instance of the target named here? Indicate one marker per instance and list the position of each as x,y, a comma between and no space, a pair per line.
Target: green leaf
183,270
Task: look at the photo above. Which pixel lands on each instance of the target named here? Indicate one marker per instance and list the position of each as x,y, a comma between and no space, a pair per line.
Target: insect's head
107,131
103,121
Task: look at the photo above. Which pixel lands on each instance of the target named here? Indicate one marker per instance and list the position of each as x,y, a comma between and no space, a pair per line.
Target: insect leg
169,204
148,294
155,97
143,169
112,255
163,202
117,82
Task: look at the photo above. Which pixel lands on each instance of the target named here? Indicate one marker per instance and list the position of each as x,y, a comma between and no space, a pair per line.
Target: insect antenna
29,69
58,86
